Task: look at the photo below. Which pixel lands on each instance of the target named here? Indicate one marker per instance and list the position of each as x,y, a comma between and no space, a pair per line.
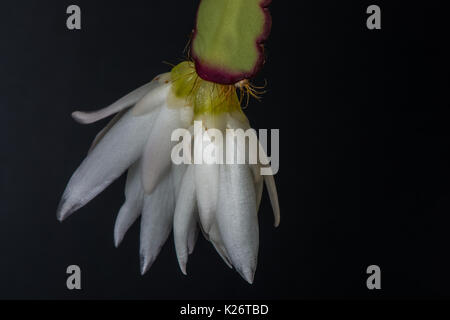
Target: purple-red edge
217,75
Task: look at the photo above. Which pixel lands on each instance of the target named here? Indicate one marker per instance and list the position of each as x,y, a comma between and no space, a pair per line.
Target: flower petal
193,235
207,188
178,172
273,195
132,208
154,98
156,158
259,183
185,222
123,103
156,221
259,186
105,130
207,176
270,185
215,238
121,146
237,218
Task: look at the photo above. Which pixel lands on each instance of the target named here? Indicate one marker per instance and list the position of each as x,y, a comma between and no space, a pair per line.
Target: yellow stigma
207,98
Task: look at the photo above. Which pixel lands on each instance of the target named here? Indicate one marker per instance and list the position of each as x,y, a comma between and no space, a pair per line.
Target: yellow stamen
208,98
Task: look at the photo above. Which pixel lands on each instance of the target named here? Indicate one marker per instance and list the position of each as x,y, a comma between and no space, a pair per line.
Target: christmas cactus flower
220,198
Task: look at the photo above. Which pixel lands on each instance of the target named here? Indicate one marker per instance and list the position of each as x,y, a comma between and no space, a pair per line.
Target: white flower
221,200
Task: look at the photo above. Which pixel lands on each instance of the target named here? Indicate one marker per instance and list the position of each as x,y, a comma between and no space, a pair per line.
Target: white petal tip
183,269
117,241
276,223
143,270
65,209
146,264
59,216
83,117
119,234
182,262
277,216
248,274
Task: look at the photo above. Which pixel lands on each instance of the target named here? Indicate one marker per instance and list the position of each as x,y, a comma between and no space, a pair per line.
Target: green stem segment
228,39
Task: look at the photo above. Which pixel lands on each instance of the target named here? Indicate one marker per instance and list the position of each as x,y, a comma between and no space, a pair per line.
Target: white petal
132,208
259,186
193,235
273,195
270,185
237,218
125,102
105,130
259,183
156,221
185,223
207,188
207,177
156,158
155,97
178,172
237,120
121,146
215,238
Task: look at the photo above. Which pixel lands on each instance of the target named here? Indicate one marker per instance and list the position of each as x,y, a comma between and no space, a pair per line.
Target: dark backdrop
365,148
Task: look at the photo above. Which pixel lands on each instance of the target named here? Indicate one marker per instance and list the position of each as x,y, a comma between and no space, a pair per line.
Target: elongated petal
259,186
123,103
237,218
216,239
178,172
239,120
132,208
270,185
193,235
207,176
207,186
273,195
156,222
155,97
156,159
121,146
184,223
105,130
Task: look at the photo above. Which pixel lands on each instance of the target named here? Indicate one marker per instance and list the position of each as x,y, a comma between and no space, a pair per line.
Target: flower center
207,98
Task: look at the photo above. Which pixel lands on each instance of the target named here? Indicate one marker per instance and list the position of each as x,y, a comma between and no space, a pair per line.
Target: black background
365,150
